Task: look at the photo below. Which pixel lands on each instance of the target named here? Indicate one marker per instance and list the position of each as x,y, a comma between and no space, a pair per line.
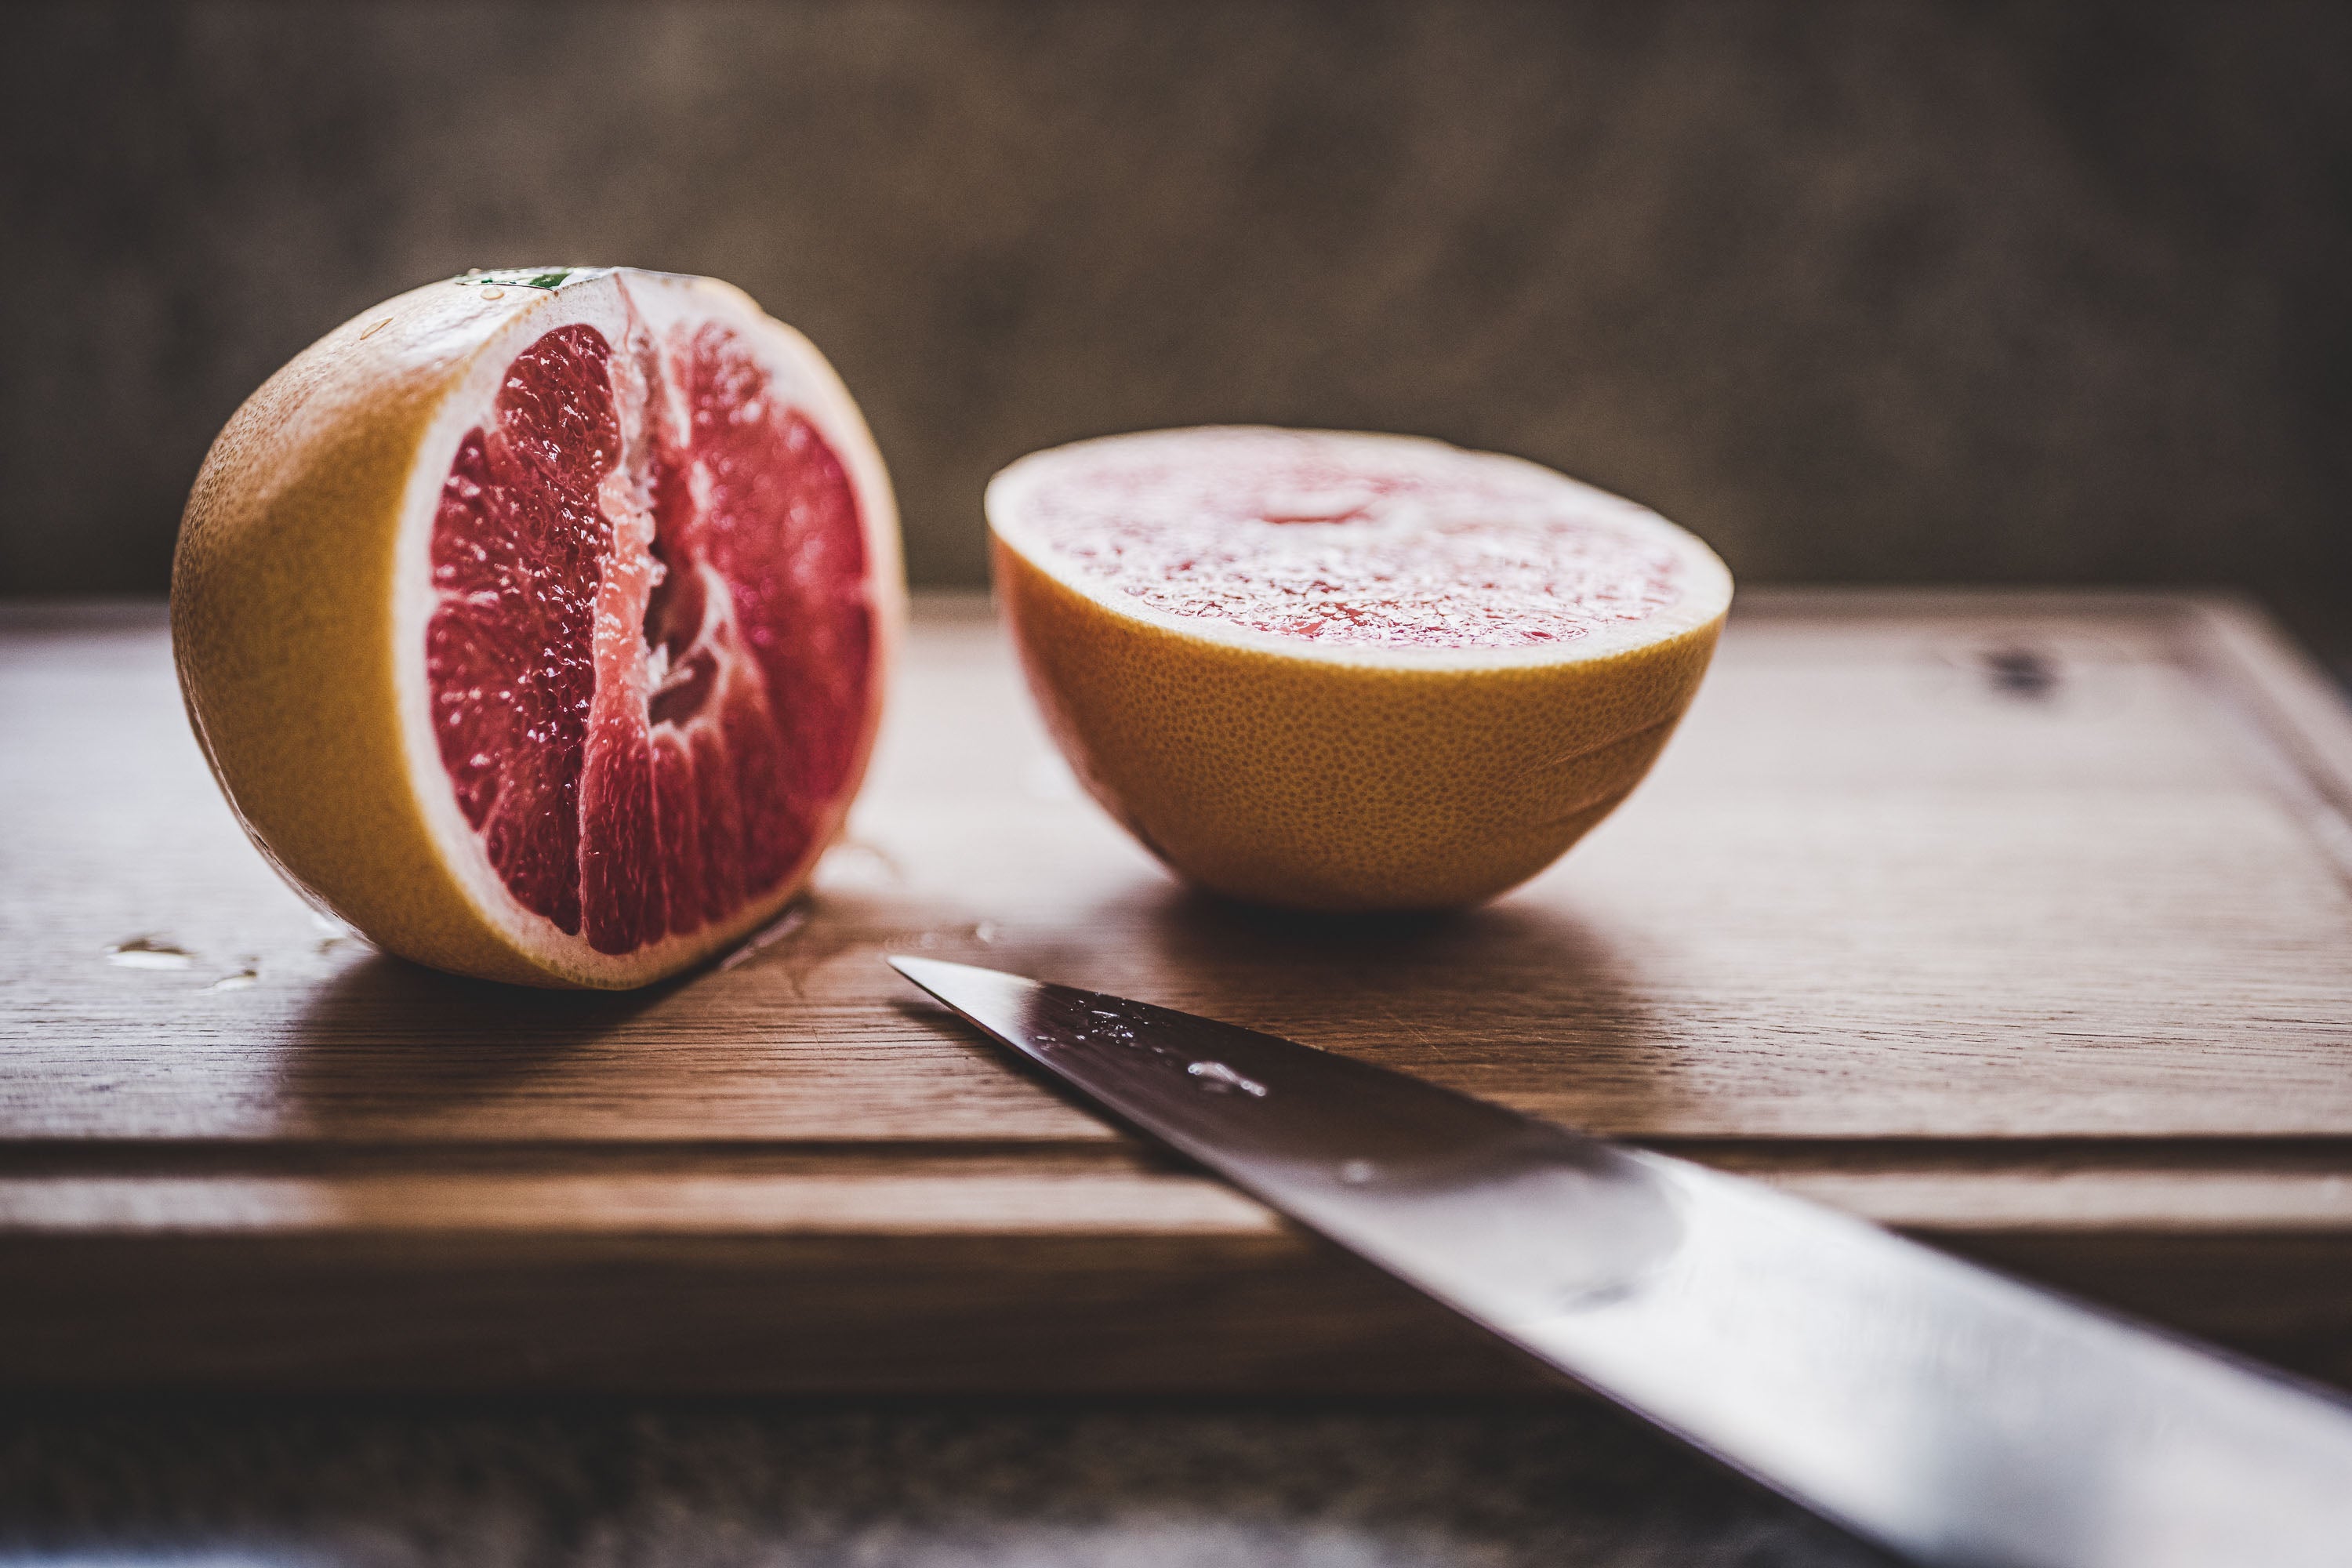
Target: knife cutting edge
1948,1411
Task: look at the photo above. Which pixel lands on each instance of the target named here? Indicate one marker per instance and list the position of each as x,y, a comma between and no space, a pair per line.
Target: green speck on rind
518,277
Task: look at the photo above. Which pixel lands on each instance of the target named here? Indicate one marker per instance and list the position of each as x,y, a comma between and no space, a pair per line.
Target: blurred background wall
1890,290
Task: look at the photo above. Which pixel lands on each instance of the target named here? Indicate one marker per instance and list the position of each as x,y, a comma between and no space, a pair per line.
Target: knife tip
980,995
915,968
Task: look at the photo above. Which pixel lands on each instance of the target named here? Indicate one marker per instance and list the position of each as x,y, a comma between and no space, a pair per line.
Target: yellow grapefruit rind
289,636
1348,781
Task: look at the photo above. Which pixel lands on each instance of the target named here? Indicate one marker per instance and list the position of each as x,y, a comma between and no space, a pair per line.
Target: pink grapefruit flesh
1348,542
630,787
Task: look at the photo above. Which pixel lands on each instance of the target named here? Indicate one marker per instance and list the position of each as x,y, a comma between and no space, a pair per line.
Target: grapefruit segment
1348,672
599,626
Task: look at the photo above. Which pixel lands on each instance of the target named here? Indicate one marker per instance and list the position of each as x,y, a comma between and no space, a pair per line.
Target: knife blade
1948,1411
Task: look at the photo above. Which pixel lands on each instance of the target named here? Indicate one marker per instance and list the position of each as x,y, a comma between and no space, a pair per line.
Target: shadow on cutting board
1522,1000
388,1039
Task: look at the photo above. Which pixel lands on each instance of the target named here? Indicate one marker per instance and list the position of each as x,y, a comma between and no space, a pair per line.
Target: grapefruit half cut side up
537,623
1348,672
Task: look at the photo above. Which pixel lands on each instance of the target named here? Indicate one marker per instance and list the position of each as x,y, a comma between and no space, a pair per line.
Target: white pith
612,301
1705,581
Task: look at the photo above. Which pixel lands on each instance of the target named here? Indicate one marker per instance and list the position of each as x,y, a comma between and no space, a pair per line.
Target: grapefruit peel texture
1342,672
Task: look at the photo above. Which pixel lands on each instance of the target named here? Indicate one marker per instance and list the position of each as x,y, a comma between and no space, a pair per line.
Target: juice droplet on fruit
494,292
149,952
1216,1078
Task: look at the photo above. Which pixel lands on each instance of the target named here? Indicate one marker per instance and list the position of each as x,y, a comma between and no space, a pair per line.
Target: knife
1949,1413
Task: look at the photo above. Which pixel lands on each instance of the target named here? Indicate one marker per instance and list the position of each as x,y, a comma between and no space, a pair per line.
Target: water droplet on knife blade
1216,1078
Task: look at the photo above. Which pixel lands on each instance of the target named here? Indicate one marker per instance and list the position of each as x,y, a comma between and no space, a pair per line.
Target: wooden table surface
2019,921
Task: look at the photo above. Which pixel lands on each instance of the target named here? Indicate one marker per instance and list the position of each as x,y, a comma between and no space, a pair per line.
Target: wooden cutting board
2020,923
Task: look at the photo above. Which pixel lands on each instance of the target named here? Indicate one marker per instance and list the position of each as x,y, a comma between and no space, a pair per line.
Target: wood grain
2020,921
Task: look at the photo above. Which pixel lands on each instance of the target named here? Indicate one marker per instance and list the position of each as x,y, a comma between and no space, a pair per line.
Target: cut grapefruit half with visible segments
1348,672
536,623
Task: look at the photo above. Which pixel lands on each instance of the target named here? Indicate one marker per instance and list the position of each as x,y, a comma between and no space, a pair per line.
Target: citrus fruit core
1346,541
649,654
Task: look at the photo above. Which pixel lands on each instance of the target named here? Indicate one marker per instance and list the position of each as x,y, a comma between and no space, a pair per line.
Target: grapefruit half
537,623
1348,672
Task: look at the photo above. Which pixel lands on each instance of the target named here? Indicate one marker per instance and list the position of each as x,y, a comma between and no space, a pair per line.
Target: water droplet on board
239,980
2023,674
985,932
1216,1078
854,866
149,952
1356,1172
